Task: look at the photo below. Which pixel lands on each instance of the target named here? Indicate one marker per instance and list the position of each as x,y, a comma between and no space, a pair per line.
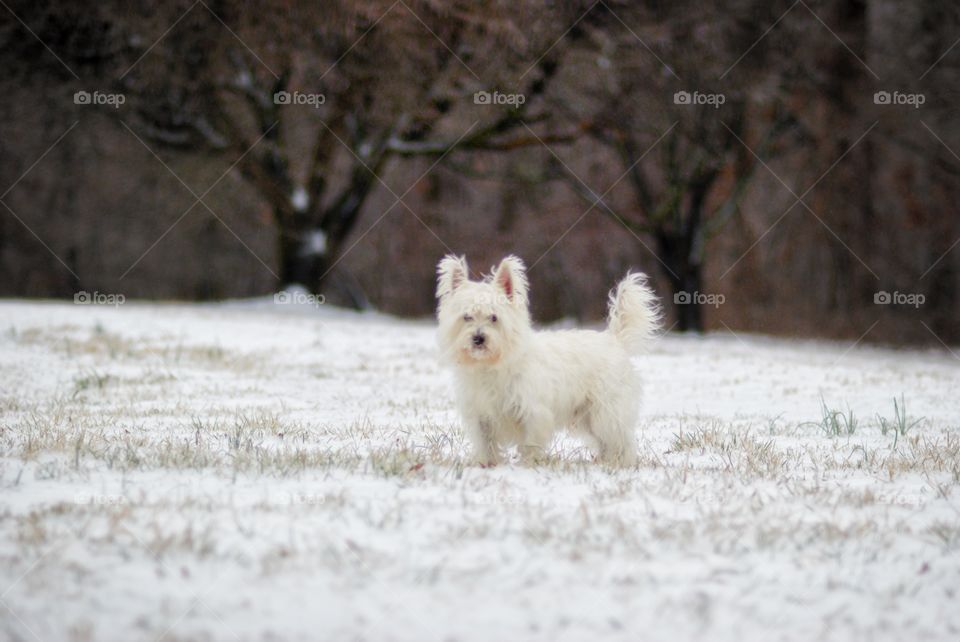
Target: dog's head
481,322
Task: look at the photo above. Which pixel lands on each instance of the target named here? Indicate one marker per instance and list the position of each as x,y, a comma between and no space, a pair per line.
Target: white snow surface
248,471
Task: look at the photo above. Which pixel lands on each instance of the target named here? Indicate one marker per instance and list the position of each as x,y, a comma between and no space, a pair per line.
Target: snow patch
305,473
314,244
300,199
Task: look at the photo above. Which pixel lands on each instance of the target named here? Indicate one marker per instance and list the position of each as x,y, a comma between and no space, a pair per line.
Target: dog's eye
467,317
493,318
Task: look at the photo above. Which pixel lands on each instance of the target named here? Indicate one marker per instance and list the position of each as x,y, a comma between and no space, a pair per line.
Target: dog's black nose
479,340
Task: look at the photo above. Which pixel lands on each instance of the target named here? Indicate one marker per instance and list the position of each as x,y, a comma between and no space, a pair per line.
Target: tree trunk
307,254
686,281
303,253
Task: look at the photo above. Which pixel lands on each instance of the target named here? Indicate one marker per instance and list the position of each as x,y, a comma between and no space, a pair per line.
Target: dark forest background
797,202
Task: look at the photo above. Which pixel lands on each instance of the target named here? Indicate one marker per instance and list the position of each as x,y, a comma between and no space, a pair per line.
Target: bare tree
312,104
679,133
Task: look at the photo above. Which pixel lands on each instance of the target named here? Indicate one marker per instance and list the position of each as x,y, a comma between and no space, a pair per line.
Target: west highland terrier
518,386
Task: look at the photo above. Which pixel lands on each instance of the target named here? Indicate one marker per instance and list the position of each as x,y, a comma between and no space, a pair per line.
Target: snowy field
252,471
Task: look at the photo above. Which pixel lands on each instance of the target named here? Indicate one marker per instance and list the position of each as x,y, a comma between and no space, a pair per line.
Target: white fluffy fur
518,386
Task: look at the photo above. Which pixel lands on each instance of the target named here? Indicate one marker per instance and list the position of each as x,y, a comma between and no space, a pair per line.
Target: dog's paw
483,460
533,456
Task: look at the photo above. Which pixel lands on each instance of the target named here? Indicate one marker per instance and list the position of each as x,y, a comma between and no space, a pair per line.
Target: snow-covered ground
252,471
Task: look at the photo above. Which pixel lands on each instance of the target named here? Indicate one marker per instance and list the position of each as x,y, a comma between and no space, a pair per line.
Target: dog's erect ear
511,277
452,272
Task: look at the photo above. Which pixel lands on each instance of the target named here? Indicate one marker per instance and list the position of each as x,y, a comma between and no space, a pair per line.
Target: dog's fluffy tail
634,312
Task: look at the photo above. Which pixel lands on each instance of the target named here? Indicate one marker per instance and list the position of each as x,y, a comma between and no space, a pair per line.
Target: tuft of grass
733,451
900,424
89,380
835,423
701,438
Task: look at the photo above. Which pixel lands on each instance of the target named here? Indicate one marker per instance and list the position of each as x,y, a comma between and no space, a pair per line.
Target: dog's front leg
537,431
486,451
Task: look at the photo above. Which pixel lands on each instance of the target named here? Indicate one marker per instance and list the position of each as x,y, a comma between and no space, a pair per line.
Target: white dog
517,386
